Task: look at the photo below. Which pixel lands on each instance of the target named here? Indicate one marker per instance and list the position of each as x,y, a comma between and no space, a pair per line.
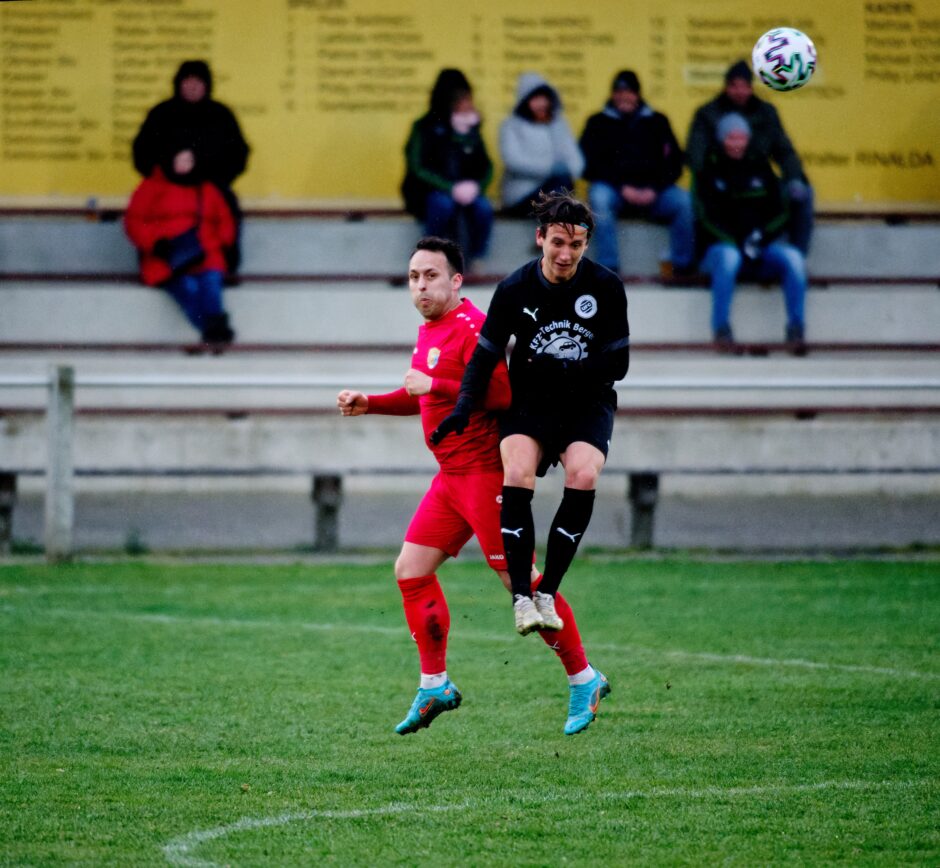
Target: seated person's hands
639,196
798,190
753,245
464,192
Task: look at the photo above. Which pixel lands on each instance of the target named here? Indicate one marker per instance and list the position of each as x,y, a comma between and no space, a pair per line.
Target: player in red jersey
464,497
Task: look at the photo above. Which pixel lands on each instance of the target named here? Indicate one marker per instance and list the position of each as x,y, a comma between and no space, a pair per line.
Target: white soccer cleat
527,616
545,605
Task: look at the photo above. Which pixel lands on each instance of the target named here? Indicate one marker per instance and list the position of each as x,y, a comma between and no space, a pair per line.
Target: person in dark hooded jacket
448,168
633,163
191,115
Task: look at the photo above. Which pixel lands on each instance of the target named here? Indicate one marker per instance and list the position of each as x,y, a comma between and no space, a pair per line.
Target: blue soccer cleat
583,700
429,704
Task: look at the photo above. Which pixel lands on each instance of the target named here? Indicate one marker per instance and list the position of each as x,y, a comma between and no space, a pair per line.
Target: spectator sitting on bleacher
191,115
742,212
768,140
448,167
538,149
633,162
180,225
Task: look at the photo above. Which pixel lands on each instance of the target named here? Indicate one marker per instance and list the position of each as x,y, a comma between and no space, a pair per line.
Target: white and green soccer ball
784,58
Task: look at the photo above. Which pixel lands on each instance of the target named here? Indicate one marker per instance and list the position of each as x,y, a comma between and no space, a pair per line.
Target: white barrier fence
61,384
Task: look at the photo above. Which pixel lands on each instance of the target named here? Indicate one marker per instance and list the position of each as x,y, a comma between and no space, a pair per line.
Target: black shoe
796,342
217,332
725,343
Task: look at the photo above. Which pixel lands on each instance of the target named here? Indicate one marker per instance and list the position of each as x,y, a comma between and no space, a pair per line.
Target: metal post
327,495
643,494
60,506
7,501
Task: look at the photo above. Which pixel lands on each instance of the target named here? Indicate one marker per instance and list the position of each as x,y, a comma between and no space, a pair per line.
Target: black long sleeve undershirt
476,378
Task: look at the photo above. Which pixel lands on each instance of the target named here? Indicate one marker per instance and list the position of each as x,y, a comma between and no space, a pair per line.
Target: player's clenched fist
417,382
352,403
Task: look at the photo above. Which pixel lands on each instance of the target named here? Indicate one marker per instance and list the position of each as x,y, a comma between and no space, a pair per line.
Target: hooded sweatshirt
533,152
207,126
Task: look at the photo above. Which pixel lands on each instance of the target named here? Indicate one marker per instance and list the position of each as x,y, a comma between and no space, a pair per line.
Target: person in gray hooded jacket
537,147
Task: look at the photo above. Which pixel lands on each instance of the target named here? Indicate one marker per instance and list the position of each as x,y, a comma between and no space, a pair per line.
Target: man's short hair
562,208
450,249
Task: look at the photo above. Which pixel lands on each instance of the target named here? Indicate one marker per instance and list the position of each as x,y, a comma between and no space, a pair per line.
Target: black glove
455,423
161,248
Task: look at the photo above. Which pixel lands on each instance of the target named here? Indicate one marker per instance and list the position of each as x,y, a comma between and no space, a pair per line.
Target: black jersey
582,323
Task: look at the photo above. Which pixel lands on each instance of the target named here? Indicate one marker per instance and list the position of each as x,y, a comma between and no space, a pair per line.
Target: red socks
428,619
566,643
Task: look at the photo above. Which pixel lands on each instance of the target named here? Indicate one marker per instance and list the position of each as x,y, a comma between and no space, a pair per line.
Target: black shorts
557,427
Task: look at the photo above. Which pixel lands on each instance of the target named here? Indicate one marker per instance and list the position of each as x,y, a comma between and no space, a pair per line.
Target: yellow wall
326,89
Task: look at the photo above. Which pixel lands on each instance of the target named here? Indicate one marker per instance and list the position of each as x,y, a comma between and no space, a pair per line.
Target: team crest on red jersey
434,356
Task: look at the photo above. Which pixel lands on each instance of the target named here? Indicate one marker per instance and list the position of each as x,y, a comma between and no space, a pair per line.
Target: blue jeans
469,225
778,260
673,206
199,295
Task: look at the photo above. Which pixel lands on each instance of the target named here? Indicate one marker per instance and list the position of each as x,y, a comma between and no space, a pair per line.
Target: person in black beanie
632,161
769,141
208,127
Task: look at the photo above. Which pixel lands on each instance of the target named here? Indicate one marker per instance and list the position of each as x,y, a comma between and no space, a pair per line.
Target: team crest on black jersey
585,306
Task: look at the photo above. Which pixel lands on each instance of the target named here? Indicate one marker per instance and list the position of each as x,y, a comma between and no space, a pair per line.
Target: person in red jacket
463,498
181,226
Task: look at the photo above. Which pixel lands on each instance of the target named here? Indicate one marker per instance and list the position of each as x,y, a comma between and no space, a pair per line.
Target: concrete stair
292,247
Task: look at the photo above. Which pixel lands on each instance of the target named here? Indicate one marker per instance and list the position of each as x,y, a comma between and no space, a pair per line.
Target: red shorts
457,507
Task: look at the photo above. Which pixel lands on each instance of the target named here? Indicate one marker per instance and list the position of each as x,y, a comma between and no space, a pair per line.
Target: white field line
628,650
180,851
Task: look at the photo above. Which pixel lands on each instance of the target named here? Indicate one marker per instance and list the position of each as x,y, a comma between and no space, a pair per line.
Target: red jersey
444,347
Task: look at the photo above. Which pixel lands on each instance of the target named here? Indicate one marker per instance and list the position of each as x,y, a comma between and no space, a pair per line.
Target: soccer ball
784,58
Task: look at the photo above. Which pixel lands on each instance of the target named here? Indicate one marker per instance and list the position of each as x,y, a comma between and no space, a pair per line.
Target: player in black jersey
572,343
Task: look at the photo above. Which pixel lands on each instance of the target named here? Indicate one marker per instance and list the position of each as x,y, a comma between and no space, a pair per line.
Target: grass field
194,714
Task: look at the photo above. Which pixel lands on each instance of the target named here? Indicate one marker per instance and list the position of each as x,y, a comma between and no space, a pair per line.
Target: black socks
518,532
568,527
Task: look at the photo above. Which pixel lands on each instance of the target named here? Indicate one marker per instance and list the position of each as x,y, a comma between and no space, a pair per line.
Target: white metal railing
639,384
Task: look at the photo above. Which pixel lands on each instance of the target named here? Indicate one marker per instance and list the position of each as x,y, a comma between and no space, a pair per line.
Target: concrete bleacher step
292,247
374,314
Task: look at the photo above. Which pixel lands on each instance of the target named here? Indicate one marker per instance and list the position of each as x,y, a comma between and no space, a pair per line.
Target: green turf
762,713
